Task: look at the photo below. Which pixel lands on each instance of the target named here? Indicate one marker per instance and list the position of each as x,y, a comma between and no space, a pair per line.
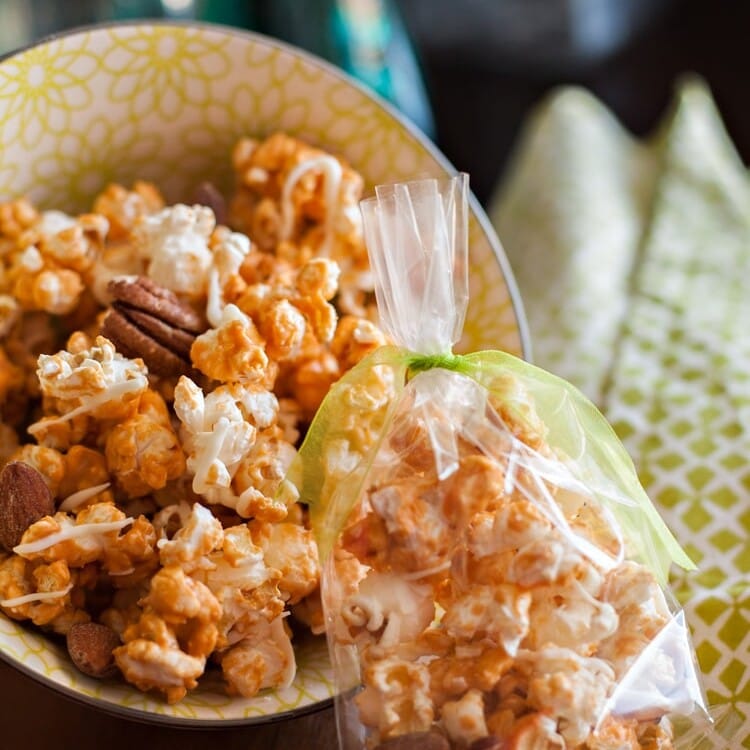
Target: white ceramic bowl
166,102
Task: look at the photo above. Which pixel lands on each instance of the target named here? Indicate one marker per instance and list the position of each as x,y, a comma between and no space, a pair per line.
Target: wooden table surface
33,717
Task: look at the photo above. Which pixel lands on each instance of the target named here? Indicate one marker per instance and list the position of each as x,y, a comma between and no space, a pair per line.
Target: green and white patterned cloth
633,260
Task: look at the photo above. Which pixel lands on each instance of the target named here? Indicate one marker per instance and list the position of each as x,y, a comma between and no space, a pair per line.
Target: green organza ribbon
333,461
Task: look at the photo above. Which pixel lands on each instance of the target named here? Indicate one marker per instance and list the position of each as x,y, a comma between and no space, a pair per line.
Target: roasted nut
24,499
144,294
151,322
488,743
416,741
90,646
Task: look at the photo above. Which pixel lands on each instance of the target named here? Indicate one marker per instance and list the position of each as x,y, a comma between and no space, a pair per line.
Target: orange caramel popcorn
474,611
173,523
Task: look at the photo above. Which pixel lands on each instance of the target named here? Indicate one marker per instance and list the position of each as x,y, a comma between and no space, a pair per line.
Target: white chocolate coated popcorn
174,242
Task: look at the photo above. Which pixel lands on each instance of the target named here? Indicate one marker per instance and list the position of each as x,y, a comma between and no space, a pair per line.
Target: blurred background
468,72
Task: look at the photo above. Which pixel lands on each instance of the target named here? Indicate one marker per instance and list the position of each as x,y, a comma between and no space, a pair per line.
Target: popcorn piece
228,562
168,646
394,610
264,659
284,183
56,292
174,242
349,572
291,550
115,261
396,697
519,541
311,378
618,734
233,351
259,476
293,311
476,484
77,246
97,383
133,557
143,452
260,406
642,610
309,611
78,541
570,617
215,434
516,408
283,327
498,615
39,593
656,736
230,249
571,687
199,534
316,285
220,434
406,528
124,208
155,661
452,676
52,255
186,605
535,730
84,469
243,584
16,217
463,719
354,339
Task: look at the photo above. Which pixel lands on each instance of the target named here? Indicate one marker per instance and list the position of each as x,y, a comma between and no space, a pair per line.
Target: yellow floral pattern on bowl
166,103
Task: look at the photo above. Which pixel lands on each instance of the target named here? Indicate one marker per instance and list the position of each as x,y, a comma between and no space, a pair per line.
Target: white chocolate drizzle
71,532
77,499
39,596
332,173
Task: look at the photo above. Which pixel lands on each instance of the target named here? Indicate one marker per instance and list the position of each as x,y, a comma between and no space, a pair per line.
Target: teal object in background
366,38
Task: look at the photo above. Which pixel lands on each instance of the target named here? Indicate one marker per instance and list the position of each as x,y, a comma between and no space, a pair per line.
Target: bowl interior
166,103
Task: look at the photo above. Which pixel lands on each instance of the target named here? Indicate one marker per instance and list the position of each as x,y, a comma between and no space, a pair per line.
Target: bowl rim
476,208
146,717
424,141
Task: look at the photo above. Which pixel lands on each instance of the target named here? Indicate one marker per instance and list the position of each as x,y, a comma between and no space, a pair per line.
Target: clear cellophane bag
493,574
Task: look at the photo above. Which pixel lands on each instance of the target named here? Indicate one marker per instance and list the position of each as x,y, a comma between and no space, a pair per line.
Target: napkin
633,261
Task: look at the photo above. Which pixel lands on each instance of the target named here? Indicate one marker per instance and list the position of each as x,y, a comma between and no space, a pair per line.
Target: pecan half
148,321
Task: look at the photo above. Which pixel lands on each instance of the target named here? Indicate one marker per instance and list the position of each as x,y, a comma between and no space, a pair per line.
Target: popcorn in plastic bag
493,574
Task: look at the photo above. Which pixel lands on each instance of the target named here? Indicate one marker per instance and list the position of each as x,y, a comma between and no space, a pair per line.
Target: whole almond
90,646
24,499
488,743
416,741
